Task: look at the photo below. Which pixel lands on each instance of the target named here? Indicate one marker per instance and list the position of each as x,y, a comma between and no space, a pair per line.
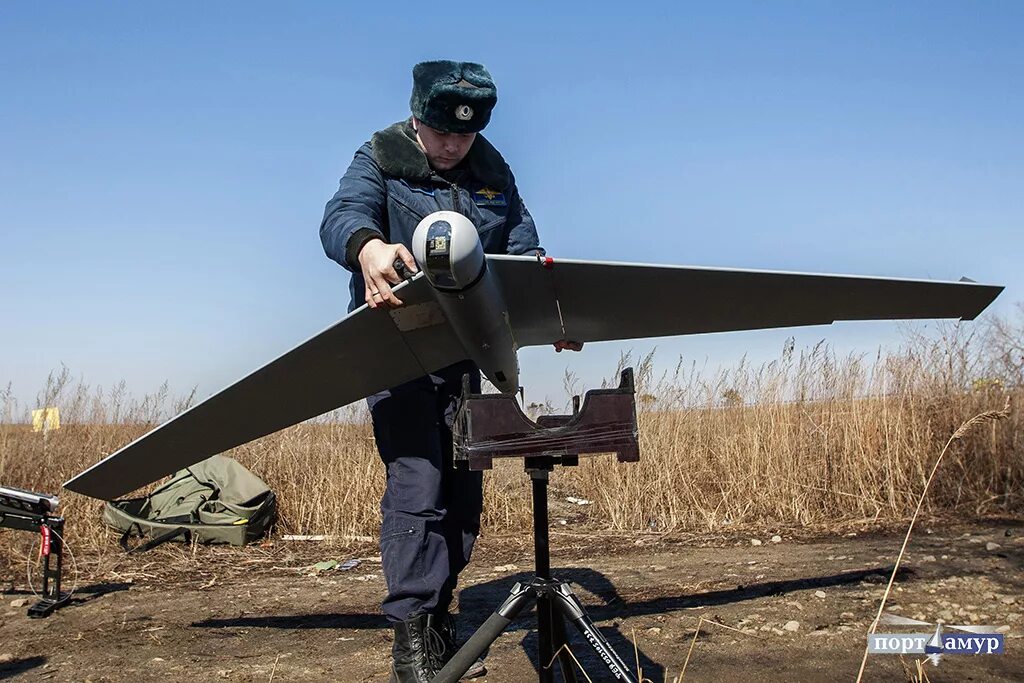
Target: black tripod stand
492,425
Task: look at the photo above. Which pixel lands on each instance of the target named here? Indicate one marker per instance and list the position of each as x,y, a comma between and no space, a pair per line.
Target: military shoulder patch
485,196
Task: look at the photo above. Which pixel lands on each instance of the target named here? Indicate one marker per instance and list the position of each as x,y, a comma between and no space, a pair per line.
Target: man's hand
570,345
376,259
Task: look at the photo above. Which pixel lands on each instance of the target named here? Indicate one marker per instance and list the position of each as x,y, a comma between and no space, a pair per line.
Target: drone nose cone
447,248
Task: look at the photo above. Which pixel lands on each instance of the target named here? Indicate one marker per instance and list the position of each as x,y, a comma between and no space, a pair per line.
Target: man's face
444,150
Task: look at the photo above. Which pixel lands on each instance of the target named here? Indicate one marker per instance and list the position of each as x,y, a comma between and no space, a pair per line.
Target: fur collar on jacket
399,155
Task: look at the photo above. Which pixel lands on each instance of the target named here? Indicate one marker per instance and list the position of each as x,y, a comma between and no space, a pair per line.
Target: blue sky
163,169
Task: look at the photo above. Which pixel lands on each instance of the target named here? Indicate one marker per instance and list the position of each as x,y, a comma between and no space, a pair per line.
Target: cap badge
463,112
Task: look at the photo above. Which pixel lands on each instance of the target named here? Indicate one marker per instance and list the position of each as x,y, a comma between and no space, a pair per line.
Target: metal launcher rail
36,512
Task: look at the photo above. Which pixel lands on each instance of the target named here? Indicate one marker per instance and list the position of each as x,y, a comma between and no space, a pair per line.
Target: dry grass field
811,442
807,439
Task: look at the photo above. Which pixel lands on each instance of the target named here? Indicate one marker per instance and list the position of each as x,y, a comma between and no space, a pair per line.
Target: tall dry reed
808,438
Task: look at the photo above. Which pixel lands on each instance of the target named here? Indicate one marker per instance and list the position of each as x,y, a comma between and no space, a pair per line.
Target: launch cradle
489,426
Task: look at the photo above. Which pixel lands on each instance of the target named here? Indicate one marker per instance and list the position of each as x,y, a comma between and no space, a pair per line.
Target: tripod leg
558,641
572,608
545,646
486,634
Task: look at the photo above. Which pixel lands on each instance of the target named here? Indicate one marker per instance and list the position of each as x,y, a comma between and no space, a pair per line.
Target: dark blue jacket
390,187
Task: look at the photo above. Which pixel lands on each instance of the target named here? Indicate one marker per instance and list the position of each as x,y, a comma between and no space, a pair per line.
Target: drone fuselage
447,249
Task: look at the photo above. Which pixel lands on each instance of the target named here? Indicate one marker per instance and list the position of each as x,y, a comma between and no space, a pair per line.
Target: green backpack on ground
214,501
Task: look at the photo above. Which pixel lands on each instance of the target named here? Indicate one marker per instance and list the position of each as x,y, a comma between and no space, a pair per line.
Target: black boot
443,623
416,650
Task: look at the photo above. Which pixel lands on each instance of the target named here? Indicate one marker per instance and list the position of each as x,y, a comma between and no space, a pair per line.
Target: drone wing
366,352
596,301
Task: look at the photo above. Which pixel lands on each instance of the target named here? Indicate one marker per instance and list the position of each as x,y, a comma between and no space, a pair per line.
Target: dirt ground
796,608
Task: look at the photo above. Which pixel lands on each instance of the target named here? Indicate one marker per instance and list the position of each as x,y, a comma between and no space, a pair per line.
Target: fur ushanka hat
453,97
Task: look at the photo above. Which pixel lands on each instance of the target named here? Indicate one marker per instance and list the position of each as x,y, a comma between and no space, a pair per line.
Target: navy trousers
431,510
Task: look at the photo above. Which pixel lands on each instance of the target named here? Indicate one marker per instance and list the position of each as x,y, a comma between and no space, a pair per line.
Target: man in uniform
435,160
